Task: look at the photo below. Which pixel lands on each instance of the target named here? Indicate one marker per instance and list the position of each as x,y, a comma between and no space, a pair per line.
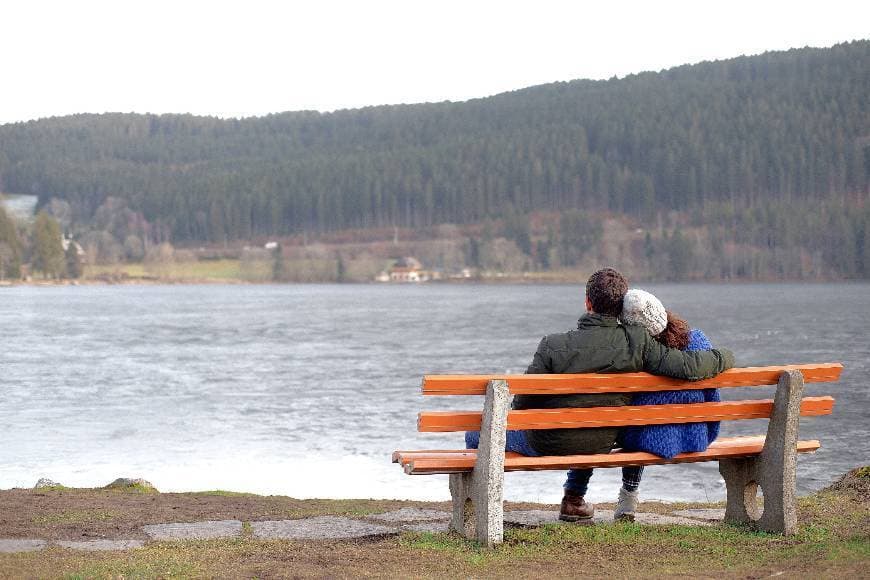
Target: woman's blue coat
669,440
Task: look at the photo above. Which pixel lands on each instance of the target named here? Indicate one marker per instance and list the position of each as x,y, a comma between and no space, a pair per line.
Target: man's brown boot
575,509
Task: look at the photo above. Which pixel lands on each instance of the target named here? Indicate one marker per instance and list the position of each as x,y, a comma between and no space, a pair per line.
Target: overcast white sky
255,57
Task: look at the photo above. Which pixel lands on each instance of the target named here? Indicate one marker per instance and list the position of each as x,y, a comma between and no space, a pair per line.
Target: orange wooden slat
456,462
405,457
586,417
397,455
623,382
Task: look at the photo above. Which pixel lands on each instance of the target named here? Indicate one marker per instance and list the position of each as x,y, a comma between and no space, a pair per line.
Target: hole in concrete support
750,500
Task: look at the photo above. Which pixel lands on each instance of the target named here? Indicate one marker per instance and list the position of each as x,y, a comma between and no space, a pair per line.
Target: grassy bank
229,271
190,271
832,542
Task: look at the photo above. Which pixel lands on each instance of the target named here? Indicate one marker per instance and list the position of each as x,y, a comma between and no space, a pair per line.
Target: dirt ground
80,514
833,541
88,514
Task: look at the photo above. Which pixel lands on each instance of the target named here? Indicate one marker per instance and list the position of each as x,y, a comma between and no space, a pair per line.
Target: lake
305,390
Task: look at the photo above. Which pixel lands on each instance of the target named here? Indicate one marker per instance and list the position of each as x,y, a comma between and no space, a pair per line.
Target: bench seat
463,460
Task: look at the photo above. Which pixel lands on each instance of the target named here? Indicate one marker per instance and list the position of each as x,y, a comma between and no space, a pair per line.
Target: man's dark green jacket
602,345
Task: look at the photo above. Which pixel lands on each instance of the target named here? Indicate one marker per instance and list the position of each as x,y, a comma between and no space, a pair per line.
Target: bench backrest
442,421
623,382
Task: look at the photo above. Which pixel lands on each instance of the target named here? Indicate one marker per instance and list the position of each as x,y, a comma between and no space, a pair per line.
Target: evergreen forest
758,167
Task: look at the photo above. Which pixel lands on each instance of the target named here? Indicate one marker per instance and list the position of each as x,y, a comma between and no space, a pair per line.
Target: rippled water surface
306,390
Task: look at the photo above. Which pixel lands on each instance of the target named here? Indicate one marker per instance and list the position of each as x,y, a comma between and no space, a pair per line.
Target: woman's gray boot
626,506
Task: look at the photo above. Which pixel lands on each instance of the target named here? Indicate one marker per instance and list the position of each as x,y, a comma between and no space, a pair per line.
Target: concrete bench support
478,511
773,470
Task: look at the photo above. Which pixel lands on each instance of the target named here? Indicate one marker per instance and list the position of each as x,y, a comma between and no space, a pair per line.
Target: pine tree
340,269
649,249
48,255
10,248
473,258
73,262
516,229
680,255
277,264
578,234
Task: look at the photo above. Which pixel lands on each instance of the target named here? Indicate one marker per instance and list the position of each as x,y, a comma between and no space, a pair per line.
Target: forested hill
780,128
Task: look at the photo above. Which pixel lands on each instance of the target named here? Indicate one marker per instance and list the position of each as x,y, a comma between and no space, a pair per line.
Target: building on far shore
407,269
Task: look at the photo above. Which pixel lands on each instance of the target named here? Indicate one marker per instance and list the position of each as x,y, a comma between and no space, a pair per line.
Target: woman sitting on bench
641,307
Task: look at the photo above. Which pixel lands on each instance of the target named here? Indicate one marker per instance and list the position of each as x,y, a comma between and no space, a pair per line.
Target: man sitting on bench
600,344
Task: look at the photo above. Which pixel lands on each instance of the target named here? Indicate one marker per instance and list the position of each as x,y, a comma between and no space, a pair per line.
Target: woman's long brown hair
676,333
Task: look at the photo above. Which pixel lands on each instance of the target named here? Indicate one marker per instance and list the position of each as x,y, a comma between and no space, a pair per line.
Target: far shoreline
514,280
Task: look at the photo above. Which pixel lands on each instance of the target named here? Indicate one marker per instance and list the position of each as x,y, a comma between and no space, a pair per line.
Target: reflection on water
306,390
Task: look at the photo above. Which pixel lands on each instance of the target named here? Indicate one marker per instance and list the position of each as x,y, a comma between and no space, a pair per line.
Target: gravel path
336,527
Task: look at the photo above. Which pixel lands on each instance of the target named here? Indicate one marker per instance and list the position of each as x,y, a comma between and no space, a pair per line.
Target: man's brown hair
605,290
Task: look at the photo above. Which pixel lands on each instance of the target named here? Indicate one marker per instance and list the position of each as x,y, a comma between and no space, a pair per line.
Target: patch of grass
338,507
227,270
674,549
814,534
450,544
247,530
204,270
852,549
75,517
50,488
135,488
98,270
152,562
842,512
559,535
223,493
438,542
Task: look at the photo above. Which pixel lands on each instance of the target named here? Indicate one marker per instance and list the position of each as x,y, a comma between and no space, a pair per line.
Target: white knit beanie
641,307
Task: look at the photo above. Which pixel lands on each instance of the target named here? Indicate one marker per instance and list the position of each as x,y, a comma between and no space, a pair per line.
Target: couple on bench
622,331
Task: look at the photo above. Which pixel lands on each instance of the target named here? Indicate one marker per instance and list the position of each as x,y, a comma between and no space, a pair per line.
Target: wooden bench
477,476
